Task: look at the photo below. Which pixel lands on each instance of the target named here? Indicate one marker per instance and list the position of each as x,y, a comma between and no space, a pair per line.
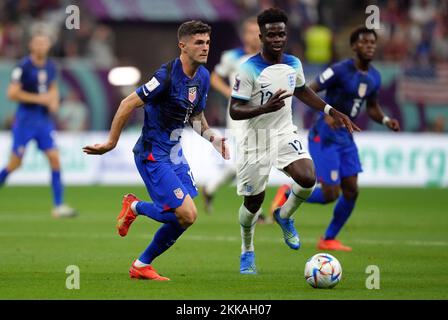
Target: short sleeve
300,77
152,89
225,65
327,78
16,74
244,82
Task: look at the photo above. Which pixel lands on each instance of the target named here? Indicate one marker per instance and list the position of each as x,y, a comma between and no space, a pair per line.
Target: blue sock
164,238
3,175
341,213
316,197
151,211
58,189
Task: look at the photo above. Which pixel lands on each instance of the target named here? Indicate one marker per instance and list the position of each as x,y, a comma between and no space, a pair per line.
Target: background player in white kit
222,81
262,96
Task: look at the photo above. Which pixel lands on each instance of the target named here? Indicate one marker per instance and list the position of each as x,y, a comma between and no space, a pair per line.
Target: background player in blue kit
34,87
174,96
348,85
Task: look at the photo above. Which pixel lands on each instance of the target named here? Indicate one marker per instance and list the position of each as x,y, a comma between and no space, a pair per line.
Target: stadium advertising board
388,160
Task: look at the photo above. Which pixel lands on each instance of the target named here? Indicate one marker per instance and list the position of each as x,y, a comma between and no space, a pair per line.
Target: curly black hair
271,15
361,30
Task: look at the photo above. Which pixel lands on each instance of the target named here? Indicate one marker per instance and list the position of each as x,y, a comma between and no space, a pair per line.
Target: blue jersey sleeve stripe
240,97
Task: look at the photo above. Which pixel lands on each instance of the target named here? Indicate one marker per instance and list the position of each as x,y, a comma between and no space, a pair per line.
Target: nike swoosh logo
265,85
144,92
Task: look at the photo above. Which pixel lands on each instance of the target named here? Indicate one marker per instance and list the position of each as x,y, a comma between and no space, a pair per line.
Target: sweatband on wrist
327,109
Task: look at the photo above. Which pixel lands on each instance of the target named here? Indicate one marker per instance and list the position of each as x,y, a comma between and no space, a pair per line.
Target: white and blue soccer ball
323,271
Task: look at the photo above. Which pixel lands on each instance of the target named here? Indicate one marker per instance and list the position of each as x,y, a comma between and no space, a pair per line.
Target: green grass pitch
402,231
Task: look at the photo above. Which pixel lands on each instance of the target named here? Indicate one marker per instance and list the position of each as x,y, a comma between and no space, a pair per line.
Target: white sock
140,264
134,207
248,220
297,196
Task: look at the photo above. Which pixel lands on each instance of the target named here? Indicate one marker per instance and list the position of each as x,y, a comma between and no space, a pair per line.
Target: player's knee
188,217
351,193
306,180
252,206
331,194
14,166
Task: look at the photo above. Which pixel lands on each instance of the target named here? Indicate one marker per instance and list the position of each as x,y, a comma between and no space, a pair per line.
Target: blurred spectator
100,47
73,113
318,45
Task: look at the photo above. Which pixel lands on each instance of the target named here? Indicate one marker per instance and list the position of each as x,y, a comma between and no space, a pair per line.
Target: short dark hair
361,30
192,27
271,15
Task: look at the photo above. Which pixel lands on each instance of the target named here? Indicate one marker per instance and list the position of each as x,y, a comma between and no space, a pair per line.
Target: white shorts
254,163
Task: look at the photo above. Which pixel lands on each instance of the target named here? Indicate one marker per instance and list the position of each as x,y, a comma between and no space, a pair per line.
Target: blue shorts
168,184
334,161
24,134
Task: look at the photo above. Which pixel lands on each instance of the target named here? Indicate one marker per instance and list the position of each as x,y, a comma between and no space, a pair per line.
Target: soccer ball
323,271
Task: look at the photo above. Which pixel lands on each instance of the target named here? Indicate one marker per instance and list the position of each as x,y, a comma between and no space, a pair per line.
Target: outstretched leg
302,172
342,211
14,163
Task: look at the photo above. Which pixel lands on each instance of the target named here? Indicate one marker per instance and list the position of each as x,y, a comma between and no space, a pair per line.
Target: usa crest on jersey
192,92
362,90
179,193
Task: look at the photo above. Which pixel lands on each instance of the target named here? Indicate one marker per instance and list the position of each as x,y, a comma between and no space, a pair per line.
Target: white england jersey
257,81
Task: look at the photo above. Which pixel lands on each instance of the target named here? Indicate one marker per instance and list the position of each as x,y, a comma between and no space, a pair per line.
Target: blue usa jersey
33,79
170,97
347,89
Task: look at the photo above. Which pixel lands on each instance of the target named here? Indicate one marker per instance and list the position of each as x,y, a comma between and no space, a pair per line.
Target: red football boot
332,244
126,216
145,273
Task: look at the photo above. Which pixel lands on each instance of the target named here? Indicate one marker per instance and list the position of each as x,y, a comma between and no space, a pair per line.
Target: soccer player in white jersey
262,96
221,80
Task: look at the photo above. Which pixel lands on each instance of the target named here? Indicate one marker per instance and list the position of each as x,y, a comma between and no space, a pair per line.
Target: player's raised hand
276,102
99,148
393,124
345,121
221,146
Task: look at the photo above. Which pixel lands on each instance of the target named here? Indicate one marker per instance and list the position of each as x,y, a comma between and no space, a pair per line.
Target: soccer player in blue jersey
34,87
262,96
348,84
175,95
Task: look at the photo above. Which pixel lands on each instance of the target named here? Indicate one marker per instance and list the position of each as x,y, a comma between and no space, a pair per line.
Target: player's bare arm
53,93
314,85
219,84
200,125
127,105
240,110
309,97
376,113
16,93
